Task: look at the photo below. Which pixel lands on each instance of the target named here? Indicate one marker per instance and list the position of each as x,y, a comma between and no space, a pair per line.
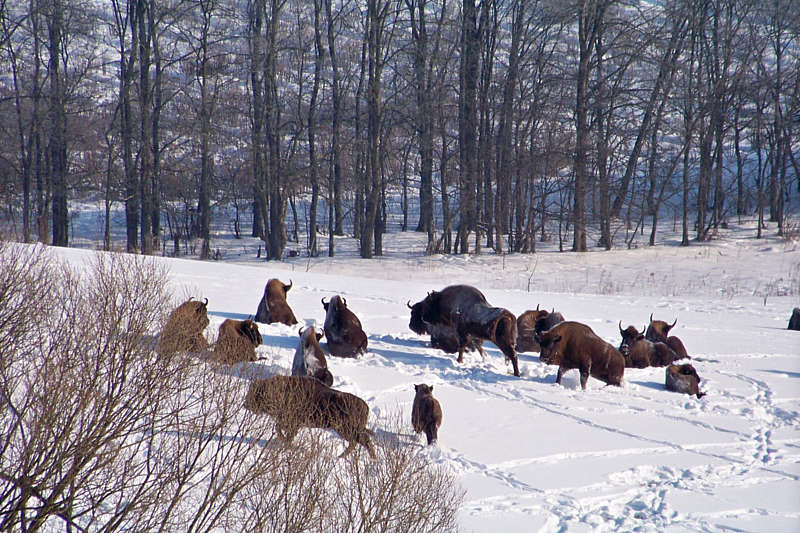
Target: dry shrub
102,433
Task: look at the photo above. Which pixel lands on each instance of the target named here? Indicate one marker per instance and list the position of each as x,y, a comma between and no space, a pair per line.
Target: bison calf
574,345
658,331
273,307
426,414
309,360
683,379
237,341
295,402
184,329
641,353
530,323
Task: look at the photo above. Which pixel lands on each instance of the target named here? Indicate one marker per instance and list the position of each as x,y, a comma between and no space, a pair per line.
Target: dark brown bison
574,345
237,341
640,352
343,329
530,323
794,322
426,414
461,312
683,379
309,360
296,402
658,331
273,307
184,329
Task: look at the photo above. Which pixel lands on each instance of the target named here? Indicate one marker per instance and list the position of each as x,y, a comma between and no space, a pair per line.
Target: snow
536,456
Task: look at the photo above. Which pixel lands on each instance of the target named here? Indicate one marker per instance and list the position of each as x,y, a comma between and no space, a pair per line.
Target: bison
574,345
273,307
683,379
530,323
343,329
309,359
184,329
295,402
237,341
658,331
640,352
459,316
426,414
794,322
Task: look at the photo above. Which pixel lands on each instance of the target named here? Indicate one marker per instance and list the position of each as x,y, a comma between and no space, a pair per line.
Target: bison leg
430,433
515,364
364,440
460,354
560,373
584,377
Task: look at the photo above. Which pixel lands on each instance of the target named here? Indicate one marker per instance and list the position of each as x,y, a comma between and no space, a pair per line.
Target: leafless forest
486,124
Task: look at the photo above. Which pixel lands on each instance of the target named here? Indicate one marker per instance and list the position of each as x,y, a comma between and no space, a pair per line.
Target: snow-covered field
536,456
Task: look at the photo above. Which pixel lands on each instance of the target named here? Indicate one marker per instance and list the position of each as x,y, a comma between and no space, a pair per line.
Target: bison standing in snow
574,345
426,414
296,402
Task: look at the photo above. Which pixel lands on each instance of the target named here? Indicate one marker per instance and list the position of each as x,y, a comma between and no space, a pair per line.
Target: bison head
417,324
250,331
550,347
630,336
658,330
423,389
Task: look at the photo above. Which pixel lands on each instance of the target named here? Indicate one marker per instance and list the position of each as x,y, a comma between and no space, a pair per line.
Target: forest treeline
489,122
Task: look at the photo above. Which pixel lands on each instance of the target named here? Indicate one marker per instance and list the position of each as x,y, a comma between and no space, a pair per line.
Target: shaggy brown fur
237,341
658,331
273,307
683,379
530,323
641,353
309,359
426,414
574,345
343,329
464,309
296,402
184,329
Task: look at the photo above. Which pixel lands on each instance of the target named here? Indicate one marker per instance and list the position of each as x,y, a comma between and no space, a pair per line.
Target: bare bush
100,432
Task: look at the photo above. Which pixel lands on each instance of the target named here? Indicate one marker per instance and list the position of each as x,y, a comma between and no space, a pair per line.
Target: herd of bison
458,318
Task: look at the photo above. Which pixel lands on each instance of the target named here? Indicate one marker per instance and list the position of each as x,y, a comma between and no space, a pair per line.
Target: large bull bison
309,360
574,345
683,379
461,313
184,329
343,329
794,322
273,307
237,341
640,352
426,414
295,402
658,331
530,323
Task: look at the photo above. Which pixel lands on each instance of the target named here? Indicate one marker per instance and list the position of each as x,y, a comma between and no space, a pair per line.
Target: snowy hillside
536,456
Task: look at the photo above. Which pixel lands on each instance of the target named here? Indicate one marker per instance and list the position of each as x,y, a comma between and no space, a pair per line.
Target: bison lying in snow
794,322
640,352
273,307
459,317
343,329
684,379
530,323
574,345
658,331
237,341
309,360
426,414
184,329
296,402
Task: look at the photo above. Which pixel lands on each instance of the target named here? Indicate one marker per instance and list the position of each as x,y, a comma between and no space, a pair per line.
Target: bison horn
301,331
673,324
322,300
644,328
651,317
408,303
620,326
344,300
537,307
205,304
287,287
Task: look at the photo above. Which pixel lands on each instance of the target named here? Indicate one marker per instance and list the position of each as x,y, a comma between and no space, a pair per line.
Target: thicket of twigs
99,432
